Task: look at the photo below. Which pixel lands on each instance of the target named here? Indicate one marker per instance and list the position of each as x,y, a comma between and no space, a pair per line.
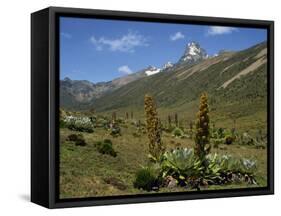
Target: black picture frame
45,102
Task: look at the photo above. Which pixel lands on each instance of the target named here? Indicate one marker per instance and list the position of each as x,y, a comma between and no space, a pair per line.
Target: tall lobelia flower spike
153,125
202,136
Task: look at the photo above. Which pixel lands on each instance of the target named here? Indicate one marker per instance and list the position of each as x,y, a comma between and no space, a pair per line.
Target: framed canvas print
138,107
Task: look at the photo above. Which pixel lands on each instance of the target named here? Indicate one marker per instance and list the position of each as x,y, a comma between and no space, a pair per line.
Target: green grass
84,172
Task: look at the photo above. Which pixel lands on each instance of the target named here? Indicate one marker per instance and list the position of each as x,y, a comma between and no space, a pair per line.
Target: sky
101,50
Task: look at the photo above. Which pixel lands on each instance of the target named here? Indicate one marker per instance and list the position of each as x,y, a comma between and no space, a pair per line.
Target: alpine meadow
163,108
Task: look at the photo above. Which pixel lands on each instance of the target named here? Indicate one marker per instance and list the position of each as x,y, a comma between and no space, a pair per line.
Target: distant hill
75,94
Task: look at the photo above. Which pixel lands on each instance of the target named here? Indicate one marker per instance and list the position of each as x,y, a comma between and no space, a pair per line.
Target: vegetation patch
147,179
105,147
115,130
82,124
237,158
78,139
185,169
177,132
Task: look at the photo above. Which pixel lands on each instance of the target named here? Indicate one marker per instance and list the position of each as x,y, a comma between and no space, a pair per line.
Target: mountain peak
193,53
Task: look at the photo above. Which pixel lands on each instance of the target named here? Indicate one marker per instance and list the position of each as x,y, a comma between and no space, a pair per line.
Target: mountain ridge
76,92
184,81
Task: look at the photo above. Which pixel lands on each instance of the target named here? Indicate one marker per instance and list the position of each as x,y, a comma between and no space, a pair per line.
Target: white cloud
176,36
126,43
125,69
219,30
66,35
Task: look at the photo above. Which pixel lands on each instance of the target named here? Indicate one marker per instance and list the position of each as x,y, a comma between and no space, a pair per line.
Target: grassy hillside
86,173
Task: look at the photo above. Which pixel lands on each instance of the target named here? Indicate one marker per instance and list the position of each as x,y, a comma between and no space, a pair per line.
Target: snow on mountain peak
152,70
193,48
193,53
167,65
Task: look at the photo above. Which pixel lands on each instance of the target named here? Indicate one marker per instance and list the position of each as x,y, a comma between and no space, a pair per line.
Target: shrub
80,142
246,139
93,119
229,140
248,166
105,147
73,137
82,124
102,123
146,179
115,130
220,132
227,163
78,139
177,132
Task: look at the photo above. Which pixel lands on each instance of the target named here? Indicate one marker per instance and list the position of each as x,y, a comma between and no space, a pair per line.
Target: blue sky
101,50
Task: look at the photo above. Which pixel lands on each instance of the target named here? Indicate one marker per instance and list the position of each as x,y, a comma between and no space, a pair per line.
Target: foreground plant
153,126
181,164
226,168
202,136
181,167
147,178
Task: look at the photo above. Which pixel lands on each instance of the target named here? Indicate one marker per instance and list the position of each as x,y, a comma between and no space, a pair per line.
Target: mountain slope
75,94
222,76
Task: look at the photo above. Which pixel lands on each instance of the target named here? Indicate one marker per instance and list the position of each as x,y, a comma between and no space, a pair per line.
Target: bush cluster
106,147
177,132
82,124
78,139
